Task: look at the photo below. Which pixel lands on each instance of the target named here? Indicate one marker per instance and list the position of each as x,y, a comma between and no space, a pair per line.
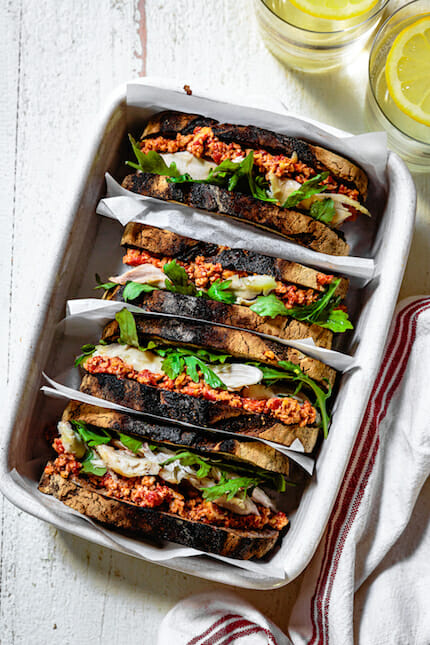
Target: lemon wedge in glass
335,9
407,70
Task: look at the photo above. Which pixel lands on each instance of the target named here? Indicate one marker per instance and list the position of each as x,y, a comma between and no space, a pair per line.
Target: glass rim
327,33
378,34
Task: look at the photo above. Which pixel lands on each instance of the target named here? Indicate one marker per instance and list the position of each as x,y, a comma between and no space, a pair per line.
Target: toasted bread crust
240,344
254,453
167,244
290,224
155,524
223,314
170,123
201,412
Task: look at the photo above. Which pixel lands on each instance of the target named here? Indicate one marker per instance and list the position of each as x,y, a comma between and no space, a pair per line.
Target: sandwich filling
183,483
264,295
201,156
252,387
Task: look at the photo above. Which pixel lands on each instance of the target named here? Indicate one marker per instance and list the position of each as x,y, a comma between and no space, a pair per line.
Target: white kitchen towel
369,581
218,619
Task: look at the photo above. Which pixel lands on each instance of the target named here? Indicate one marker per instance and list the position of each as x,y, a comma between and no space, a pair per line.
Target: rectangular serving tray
23,443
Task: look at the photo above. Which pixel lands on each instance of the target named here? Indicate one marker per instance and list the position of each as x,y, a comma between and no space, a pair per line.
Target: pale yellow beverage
316,36
406,33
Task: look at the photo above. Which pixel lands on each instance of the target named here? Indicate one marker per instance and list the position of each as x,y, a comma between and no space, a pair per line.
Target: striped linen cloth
369,581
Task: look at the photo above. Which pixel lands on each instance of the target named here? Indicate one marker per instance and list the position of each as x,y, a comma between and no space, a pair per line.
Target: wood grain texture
59,62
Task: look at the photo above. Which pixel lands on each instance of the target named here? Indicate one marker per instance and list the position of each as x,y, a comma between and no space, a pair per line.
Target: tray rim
20,498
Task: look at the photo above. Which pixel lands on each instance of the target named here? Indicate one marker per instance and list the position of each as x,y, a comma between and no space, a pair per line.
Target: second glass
309,43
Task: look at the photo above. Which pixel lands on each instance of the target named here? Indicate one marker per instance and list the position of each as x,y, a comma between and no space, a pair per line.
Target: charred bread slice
253,453
79,495
201,412
161,244
290,224
170,123
175,304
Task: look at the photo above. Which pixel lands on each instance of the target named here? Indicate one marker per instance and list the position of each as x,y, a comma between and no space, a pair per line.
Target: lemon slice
334,9
407,71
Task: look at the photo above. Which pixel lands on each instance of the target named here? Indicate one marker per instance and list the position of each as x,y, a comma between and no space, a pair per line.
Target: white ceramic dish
22,445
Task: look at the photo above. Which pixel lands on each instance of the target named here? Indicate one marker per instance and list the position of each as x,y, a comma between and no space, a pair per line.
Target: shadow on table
125,576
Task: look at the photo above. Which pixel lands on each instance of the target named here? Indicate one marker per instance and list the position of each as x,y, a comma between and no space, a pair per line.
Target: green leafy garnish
233,176
132,290
178,281
307,189
127,328
337,321
151,162
270,306
130,442
291,372
191,459
228,486
322,312
91,437
104,285
219,290
89,467
178,360
323,210
87,351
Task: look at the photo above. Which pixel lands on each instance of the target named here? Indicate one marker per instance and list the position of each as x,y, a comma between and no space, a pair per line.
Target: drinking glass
309,43
406,135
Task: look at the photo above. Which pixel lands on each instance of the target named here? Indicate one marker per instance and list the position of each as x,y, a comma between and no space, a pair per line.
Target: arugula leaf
322,312
270,306
178,359
87,351
337,321
219,290
260,476
178,281
213,380
130,442
323,210
132,290
230,487
90,468
291,372
173,365
127,328
310,187
234,176
191,459
104,285
91,437
151,162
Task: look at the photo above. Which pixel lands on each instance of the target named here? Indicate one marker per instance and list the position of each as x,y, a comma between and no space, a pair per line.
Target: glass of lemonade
316,35
398,96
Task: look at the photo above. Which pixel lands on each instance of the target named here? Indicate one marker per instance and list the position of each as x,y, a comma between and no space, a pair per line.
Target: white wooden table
59,62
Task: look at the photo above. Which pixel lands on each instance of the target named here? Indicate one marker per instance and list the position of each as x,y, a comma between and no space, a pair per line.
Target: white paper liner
103,311
126,206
